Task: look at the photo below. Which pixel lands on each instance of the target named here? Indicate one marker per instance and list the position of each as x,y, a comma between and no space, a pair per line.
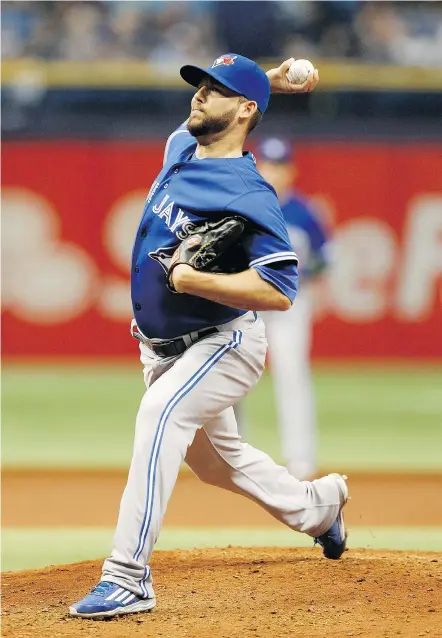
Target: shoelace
102,588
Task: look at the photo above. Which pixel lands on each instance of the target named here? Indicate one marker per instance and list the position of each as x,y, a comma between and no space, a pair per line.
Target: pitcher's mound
238,592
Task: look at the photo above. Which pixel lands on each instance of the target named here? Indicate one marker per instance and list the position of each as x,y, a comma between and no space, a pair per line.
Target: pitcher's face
214,108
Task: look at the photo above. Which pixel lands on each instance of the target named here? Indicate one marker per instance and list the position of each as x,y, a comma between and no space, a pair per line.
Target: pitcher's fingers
285,66
312,80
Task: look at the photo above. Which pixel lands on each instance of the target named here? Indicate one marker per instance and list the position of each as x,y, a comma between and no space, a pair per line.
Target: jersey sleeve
267,245
176,143
283,276
274,261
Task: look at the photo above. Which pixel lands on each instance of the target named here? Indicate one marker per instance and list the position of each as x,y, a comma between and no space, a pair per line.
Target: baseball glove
211,246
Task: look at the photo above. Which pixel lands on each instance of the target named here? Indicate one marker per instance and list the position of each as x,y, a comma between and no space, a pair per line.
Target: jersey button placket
137,306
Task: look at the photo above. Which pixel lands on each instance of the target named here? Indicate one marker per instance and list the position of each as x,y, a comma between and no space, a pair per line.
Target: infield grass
370,418
30,548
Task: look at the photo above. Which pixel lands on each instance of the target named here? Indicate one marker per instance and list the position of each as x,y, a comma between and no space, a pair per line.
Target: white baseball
299,70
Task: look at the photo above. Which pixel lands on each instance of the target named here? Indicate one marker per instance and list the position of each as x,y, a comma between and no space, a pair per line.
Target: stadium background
90,92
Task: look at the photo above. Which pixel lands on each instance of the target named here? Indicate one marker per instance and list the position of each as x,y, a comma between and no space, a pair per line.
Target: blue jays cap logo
237,73
226,60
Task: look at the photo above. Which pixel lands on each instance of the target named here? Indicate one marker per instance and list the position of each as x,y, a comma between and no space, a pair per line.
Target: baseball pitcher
212,248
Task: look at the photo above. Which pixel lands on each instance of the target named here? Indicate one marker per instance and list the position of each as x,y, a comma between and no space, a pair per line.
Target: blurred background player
289,334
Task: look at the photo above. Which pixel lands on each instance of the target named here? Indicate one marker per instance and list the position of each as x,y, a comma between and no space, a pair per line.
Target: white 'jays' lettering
157,208
180,219
166,212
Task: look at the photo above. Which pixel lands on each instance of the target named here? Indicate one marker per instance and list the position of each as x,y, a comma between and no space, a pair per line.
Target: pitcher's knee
207,474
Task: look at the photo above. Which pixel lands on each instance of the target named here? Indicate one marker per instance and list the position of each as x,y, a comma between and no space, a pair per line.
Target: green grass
30,548
369,419
380,418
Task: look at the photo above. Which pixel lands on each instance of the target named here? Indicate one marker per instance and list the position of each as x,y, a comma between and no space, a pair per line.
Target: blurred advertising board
70,211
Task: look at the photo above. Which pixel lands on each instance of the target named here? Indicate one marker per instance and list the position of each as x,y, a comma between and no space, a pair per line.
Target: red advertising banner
70,211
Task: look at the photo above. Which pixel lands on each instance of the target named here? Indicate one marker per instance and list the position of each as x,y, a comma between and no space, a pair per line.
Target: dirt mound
238,592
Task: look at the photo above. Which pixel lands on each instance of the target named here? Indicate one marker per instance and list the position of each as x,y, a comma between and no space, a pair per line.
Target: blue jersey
188,191
307,235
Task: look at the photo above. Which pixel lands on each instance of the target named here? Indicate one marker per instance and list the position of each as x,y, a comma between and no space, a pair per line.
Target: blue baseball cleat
109,599
334,541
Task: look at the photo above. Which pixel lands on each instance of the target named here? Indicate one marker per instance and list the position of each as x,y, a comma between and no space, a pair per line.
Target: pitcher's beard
211,125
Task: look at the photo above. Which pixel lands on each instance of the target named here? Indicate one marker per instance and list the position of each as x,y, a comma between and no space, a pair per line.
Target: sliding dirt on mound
241,592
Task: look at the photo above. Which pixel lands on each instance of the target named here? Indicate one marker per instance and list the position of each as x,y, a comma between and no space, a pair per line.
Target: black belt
172,347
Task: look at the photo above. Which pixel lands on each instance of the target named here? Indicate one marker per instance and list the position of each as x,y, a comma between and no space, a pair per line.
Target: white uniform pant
289,338
186,414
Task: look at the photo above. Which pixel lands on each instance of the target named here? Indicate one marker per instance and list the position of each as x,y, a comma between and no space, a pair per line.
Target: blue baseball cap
235,72
275,149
